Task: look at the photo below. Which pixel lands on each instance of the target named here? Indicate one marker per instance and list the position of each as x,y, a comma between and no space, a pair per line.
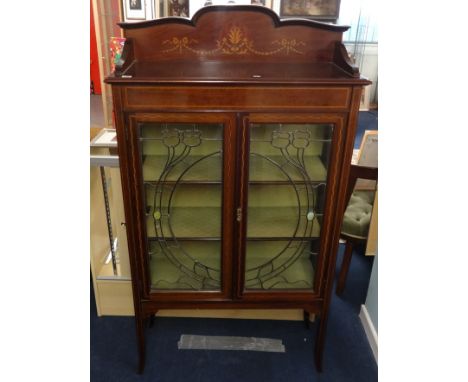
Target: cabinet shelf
203,169
171,268
203,223
186,265
278,168
250,239
172,183
207,170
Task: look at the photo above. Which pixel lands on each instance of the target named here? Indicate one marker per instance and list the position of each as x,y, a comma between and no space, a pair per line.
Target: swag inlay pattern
234,42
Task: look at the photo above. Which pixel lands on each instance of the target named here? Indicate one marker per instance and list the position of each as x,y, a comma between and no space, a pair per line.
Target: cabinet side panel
347,148
126,181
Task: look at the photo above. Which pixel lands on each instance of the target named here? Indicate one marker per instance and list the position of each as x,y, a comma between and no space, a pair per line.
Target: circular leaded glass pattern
287,181
182,170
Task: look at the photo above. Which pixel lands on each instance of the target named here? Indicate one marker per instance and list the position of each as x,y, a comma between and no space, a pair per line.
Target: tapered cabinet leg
306,319
140,328
151,320
344,268
320,342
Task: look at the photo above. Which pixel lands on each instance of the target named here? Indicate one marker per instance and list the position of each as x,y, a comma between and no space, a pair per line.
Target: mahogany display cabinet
235,133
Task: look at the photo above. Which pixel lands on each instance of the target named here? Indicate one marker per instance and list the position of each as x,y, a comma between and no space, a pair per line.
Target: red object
95,76
116,47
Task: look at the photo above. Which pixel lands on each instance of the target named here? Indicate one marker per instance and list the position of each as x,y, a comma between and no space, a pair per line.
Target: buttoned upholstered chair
357,217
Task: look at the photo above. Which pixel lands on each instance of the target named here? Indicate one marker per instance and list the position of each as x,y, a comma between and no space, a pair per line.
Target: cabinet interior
183,189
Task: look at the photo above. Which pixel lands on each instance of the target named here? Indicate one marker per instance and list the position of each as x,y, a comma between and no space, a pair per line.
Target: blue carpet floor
347,358
367,121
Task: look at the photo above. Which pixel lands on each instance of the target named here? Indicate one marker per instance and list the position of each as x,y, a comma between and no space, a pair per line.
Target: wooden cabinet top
235,44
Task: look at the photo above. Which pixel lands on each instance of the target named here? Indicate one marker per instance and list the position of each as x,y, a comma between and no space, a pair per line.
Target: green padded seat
358,214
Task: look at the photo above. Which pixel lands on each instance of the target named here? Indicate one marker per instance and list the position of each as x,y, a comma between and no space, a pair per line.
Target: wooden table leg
320,340
307,319
140,329
151,320
348,253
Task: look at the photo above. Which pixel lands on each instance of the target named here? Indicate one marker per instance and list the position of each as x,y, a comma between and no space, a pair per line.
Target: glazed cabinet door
284,200
184,170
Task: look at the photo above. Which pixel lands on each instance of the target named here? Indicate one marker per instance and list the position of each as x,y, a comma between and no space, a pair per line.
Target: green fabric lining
358,214
210,169
206,222
166,275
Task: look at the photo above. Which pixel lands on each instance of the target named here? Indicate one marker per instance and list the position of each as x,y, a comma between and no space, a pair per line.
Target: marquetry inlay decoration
234,42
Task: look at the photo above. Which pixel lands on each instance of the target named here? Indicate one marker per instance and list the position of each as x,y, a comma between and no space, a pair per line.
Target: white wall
195,5
372,295
369,69
369,311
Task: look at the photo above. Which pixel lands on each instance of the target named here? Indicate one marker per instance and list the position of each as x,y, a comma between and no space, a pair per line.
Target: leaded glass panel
182,177
288,167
